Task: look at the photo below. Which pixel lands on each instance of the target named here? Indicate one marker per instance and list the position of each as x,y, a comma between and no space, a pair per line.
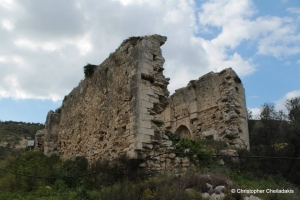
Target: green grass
116,183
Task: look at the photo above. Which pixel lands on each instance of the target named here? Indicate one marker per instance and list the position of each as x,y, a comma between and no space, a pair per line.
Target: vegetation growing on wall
89,70
133,40
196,150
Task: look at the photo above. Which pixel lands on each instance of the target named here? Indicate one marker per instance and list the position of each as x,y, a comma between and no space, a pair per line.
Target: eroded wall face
152,92
113,111
51,130
212,107
124,107
98,118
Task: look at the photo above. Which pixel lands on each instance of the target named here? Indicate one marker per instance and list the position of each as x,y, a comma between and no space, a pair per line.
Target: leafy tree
292,133
276,134
265,133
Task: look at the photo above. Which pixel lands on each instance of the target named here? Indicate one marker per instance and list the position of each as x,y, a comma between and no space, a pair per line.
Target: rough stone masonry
124,108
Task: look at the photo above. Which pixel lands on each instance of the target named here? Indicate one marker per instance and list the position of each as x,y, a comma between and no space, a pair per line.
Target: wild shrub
71,171
132,40
216,145
195,150
89,70
276,134
109,172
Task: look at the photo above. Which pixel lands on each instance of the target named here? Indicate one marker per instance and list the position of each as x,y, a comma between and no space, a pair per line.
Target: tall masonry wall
212,107
113,111
124,107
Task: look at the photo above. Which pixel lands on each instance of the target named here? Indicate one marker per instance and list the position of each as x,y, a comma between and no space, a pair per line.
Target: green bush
108,173
195,150
89,70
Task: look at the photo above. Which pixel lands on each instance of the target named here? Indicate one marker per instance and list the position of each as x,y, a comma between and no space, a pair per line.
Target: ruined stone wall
123,107
51,133
212,107
113,111
39,140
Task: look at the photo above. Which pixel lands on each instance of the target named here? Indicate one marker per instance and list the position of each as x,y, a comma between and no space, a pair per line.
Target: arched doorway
183,132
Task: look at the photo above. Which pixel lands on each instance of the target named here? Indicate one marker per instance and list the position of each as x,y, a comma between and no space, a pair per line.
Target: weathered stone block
146,132
146,104
147,66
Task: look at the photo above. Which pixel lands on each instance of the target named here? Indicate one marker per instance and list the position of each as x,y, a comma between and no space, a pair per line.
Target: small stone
48,187
165,137
143,165
185,165
170,148
166,143
205,195
168,161
252,197
185,160
221,162
150,163
177,160
162,159
157,166
215,197
220,189
209,188
172,155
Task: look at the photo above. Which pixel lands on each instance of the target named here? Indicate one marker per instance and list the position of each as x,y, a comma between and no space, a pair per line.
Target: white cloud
7,24
294,10
218,13
282,41
84,45
280,104
26,43
8,4
55,45
275,36
255,112
47,46
2,59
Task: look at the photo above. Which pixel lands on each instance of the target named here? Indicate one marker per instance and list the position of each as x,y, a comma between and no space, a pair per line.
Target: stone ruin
123,107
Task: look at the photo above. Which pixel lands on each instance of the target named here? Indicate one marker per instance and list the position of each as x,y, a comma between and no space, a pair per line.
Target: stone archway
183,132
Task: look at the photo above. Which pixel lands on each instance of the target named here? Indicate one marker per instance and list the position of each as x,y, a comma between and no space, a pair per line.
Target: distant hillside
11,133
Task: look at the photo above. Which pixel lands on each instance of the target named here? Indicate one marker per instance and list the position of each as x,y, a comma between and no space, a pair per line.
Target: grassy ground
123,180
117,183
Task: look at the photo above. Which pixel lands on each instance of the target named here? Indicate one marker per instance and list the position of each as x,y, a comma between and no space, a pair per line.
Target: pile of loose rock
214,194
211,193
158,157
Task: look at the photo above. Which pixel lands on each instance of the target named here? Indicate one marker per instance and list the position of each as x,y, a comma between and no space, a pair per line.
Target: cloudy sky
45,44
